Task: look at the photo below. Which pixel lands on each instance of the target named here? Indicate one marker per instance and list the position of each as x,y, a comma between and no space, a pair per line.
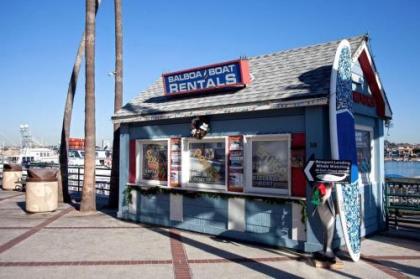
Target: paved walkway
67,243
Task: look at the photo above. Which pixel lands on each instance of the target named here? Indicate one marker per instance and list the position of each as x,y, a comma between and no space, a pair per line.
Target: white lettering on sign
221,70
173,87
203,79
200,83
231,79
328,170
210,83
185,76
182,86
191,86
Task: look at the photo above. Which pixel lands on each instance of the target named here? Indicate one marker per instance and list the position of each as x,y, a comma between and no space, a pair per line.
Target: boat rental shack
220,149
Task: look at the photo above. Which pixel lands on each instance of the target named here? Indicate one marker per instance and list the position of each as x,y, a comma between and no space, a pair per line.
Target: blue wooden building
255,122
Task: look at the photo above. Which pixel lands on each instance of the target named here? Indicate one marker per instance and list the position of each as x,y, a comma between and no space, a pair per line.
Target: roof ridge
309,46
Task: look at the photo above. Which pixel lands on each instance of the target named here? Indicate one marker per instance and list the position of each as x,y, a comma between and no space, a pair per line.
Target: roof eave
260,106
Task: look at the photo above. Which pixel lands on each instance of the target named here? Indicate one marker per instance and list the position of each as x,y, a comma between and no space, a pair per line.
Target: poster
364,155
175,170
155,162
298,158
207,163
270,164
236,164
236,159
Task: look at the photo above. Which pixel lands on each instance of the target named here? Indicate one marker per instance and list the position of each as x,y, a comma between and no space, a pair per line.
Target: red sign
364,99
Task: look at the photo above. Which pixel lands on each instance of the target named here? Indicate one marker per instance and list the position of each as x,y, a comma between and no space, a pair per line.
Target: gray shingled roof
278,78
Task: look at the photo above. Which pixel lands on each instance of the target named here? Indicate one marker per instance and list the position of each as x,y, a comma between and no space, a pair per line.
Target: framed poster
155,161
207,162
270,164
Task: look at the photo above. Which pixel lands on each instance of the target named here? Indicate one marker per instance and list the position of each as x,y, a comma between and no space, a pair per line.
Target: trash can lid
12,167
42,175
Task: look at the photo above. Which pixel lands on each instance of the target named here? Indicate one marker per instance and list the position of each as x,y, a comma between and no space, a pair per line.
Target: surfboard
343,146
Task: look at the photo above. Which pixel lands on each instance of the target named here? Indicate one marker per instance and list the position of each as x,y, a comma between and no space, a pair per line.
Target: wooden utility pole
113,194
89,184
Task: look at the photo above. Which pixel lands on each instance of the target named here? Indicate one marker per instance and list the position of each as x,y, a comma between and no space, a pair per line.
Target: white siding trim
236,214
132,206
176,211
298,228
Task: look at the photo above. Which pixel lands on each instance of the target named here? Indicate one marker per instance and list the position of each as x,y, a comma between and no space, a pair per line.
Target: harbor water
402,169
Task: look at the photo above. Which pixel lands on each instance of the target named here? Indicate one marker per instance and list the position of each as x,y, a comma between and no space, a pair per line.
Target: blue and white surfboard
343,146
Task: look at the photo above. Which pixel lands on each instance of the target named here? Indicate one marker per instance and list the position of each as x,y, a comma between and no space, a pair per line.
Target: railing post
78,179
386,205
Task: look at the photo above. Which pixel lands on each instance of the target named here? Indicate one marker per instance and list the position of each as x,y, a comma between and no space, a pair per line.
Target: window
152,158
364,146
204,163
359,83
74,154
267,164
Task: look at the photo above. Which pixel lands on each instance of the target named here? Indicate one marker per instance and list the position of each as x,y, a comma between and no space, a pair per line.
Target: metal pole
78,179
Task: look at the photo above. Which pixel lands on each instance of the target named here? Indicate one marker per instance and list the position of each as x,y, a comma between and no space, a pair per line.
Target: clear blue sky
39,40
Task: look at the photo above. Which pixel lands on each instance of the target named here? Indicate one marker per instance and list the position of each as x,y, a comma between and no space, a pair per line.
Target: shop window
364,154
152,158
204,163
267,164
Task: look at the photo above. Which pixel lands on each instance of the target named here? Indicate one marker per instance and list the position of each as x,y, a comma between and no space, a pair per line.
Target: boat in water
76,157
33,152
30,155
76,154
